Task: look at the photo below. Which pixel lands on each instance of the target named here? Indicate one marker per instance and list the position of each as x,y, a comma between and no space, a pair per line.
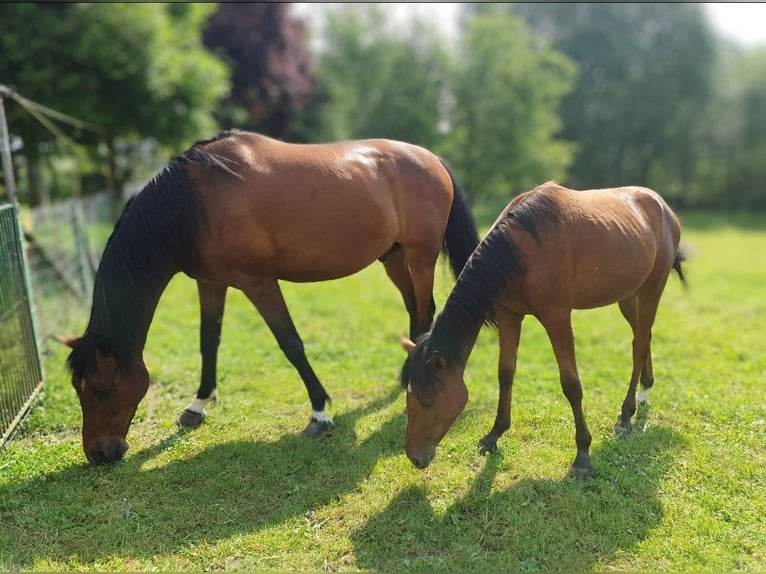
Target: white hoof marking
320,417
198,405
643,397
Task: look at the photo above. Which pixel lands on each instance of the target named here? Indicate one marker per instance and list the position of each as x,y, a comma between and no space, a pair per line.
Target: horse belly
606,280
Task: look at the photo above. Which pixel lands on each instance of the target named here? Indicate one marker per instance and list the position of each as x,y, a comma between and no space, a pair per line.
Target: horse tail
680,258
460,237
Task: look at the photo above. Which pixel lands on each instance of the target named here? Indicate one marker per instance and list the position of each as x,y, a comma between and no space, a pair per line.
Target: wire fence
21,372
63,261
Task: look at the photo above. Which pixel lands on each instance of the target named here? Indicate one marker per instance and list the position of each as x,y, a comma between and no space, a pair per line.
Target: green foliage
378,83
131,69
134,70
733,173
507,90
645,77
685,492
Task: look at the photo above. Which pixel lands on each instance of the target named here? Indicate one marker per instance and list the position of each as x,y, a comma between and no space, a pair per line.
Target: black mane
468,306
537,208
154,236
493,263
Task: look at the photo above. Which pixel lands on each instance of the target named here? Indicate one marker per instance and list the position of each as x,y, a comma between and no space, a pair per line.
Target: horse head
436,395
109,391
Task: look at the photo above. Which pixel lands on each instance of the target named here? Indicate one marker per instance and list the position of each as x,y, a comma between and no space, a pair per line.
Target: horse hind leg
396,268
418,299
640,311
267,297
629,311
421,264
212,298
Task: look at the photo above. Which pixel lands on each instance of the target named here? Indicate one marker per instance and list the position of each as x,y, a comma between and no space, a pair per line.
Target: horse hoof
581,472
486,447
621,429
317,428
191,419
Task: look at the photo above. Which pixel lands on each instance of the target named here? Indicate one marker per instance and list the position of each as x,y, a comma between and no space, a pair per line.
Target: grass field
685,492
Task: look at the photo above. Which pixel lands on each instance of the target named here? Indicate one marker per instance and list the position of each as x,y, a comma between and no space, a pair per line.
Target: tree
507,88
135,70
270,62
375,81
645,80
732,173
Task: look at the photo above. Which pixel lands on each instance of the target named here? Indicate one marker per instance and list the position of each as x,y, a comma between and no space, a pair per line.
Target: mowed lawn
686,491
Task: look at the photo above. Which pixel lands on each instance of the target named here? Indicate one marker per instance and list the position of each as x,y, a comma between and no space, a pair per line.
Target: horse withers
552,250
245,210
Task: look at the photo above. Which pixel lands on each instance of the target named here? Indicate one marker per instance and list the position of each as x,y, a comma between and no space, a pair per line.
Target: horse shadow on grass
533,524
232,489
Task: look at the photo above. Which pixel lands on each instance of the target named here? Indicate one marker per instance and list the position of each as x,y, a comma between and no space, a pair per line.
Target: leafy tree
645,80
507,89
134,70
732,173
271,64
378,81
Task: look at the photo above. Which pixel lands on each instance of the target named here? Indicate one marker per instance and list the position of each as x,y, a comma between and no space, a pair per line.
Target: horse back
585,249
308,212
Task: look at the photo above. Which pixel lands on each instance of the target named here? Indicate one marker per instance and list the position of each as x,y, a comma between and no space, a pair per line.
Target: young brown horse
244,210
552,250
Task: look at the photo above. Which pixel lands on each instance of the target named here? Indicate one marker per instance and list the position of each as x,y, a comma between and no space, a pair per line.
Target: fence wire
20,365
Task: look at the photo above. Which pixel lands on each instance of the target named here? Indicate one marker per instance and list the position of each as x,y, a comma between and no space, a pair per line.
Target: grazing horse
244,210
552,250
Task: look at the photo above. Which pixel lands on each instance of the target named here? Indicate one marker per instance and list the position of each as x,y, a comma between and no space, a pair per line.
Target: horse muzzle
422,457
106,449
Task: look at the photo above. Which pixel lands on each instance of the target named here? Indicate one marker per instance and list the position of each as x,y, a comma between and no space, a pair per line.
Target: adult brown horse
244,210
550,251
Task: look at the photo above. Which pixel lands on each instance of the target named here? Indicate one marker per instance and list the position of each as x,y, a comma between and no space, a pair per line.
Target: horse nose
109,450
423,459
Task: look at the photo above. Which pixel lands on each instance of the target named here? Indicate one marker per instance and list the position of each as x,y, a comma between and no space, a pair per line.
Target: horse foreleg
212,298
558,325
267,298
509,332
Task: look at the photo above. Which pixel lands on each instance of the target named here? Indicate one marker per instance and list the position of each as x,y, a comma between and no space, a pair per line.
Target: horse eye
426,400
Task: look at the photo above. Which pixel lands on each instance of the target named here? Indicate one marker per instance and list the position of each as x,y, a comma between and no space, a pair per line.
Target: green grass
686,491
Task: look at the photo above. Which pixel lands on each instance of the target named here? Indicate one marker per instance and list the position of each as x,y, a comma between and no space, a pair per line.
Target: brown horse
244,210
550,251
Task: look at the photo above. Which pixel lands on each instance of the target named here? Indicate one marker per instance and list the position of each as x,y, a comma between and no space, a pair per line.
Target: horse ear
406,344
70,342
437,361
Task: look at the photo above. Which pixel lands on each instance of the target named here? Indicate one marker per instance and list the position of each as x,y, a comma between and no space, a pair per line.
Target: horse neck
128,286
457,327
490,268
